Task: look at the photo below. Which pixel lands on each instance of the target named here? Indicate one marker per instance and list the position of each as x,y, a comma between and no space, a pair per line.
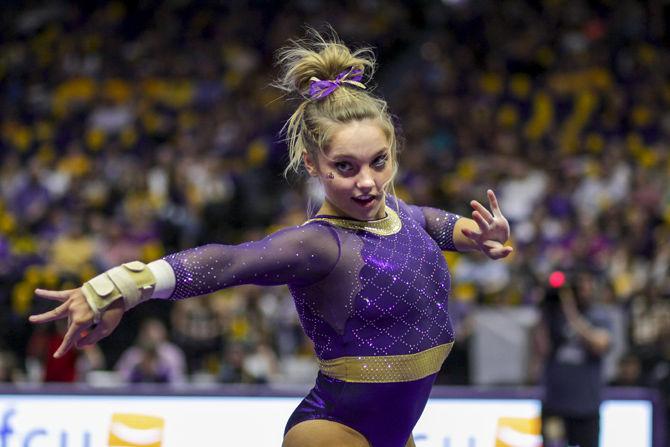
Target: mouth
365,200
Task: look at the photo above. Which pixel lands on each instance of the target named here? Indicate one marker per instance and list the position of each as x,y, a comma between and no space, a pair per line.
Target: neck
328,209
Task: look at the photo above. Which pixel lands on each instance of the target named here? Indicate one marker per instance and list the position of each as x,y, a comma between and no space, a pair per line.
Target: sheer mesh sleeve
439,224
298,255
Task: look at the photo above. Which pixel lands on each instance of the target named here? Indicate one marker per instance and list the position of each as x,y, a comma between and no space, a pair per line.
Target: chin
350,209
372,214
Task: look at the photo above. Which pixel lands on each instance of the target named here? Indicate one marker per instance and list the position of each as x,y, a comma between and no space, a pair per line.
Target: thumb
470,234
501,252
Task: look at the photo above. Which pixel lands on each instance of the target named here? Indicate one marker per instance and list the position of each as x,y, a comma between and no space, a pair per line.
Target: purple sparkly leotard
372,296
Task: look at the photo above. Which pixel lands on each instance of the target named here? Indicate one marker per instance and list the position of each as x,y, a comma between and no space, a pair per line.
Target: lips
365,199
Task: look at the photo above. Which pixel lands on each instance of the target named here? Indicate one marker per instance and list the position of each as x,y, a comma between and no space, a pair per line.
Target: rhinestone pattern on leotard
357,292
401,291
402,307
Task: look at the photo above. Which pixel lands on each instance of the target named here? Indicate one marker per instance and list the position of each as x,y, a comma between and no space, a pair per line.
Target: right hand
80,318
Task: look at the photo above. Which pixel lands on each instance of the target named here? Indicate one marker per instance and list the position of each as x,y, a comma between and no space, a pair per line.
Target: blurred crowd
132,131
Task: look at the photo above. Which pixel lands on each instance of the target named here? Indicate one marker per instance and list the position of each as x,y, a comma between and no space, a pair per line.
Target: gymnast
366,272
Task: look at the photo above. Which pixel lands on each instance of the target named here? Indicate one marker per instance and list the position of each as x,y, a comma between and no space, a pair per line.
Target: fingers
479,208
481,221
56,295
493,201
54,314
71,336
75,308
108,322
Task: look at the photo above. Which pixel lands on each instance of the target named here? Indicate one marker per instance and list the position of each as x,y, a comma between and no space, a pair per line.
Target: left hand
493,229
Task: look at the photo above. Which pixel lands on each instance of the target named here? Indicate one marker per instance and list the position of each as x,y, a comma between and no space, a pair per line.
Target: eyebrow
345,155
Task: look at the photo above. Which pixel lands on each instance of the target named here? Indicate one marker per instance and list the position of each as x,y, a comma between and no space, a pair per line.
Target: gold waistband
387,368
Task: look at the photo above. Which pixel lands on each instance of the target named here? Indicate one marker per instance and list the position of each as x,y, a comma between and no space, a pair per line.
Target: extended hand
80,318
493,229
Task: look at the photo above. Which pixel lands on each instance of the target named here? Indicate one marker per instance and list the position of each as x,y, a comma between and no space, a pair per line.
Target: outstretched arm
299,255
486,231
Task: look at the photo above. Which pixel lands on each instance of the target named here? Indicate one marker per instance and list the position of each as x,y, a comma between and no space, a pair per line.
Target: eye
343,166
380,161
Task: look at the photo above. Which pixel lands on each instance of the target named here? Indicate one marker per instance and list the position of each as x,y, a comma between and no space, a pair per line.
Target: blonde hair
311,126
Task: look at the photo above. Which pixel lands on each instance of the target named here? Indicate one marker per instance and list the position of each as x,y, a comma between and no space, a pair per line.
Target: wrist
132,282
165,278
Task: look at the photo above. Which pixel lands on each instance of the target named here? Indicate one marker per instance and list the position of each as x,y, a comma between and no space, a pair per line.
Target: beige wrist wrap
133,281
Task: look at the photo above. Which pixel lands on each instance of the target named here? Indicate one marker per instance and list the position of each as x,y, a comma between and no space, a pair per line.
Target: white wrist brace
134,282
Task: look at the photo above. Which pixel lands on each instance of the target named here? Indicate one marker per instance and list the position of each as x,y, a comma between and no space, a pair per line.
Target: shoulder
315,238
405,210
310,232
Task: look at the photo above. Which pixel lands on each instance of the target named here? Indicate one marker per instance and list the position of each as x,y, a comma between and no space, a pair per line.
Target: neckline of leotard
386,226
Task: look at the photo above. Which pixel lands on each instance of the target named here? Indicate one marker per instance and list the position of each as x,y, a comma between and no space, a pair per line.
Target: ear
310,165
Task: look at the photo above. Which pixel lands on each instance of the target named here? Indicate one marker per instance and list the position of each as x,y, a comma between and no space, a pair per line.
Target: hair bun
328,76
321,57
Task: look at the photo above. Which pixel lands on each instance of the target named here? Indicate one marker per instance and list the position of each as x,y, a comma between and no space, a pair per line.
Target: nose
365,182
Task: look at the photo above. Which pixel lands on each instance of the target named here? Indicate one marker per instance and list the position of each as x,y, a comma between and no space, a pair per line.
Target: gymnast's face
354,169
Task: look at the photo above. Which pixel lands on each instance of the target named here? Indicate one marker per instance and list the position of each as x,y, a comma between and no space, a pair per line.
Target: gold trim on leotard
391,224
387,368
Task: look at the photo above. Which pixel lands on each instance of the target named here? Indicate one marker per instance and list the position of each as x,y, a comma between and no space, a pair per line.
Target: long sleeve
439,224
297,255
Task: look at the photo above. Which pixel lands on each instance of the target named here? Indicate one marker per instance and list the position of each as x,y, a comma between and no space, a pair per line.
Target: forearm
180,275
440,225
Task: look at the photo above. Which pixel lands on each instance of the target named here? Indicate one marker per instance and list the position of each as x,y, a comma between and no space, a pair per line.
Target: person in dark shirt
572,336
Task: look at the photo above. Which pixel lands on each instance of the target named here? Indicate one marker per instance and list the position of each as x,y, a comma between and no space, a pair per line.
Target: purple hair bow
319,89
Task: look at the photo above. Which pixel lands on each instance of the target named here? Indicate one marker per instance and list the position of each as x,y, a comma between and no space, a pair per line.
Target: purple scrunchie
319,89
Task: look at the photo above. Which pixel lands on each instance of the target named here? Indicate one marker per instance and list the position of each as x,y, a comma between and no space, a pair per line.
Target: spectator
629,372
152,358
233,369
9,372
70,368
573,336
196,330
